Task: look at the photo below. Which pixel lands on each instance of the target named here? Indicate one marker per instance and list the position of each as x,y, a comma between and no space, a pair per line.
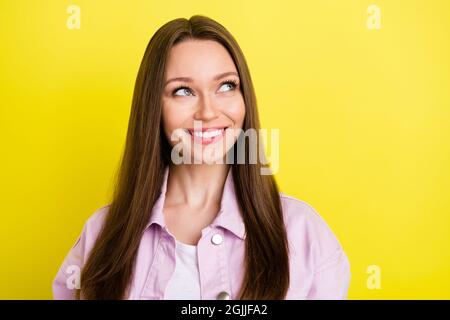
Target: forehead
198,58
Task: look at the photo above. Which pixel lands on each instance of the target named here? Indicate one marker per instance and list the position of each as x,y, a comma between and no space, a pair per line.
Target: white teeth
208,134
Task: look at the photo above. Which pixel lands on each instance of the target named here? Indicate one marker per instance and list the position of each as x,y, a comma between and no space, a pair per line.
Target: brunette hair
109,267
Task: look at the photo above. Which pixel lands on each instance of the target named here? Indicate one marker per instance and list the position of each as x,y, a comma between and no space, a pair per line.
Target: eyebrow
217,77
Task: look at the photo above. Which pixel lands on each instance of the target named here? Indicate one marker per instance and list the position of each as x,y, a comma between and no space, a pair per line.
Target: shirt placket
161,269
212,261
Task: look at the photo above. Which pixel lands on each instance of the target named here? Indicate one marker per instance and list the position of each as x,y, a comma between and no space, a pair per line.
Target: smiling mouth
207,135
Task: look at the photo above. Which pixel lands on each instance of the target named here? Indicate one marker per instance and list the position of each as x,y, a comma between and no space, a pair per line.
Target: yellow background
363,117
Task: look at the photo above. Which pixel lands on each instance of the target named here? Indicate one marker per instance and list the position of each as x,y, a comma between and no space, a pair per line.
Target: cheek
172,119
236,111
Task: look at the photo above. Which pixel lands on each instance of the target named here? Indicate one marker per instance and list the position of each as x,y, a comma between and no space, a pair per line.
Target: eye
182,91
227,86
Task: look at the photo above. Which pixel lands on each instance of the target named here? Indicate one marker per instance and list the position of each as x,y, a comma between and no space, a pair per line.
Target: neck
198,185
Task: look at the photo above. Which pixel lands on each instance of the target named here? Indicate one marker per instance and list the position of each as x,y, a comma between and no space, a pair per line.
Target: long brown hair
109,267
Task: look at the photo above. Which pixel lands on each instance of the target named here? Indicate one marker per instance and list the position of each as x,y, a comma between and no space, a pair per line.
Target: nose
206,109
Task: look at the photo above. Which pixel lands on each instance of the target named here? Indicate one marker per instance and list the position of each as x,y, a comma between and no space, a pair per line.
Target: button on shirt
319,267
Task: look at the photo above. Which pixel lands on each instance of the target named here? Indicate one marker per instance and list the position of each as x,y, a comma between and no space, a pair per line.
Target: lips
207,135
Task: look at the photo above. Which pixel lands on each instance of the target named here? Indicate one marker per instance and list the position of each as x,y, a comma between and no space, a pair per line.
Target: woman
183,223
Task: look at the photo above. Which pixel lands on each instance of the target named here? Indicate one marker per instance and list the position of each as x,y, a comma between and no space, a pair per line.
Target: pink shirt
318,264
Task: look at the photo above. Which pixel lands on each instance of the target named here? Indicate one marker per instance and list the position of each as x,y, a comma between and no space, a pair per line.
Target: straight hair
109,267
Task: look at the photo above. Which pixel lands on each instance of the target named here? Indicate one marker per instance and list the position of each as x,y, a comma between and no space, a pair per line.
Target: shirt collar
229,216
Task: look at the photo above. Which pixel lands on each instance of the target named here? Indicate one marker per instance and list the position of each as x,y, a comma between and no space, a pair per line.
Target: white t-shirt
185,281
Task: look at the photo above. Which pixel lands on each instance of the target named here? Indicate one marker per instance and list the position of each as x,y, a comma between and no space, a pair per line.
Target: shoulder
314,247
68,274
90,231
96,219
305,224
94,224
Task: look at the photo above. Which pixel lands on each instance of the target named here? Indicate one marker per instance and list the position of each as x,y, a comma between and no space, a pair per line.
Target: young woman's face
202,92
